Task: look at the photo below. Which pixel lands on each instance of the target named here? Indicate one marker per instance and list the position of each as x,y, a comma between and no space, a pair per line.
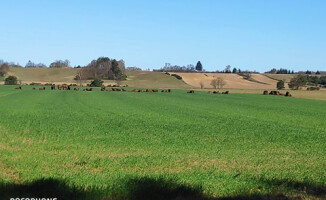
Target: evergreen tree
280,85
97,82
199,66
11,80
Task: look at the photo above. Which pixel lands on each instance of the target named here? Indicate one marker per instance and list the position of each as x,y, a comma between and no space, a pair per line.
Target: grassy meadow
123,145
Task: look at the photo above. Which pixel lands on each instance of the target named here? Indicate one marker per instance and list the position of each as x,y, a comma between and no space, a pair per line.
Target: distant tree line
31,64
9,64
60,64
287,71
133,69
311,72
176,68
280,71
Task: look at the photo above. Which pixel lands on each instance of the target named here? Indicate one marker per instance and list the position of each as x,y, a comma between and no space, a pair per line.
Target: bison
226,92
265,92
287,94
53,87
89,89
18,88
42,88
216,92
63,87
168,90
274,92
191,92
76,89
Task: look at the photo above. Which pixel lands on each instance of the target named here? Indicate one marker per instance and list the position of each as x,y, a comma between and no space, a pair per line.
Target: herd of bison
287,94
111,89
103,88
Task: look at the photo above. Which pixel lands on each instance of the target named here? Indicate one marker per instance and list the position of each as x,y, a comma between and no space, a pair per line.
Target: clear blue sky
250,34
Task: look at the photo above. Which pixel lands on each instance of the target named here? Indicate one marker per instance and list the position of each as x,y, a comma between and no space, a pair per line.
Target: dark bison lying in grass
116,90
191,92
63,87
18,88
88,89
151,90
42,88
135,90
226,92
168,90
274,92
287,94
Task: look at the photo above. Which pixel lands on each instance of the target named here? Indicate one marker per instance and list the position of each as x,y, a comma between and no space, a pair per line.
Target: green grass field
114,145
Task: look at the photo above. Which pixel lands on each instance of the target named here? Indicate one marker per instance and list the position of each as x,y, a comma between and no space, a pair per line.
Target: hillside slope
147,79
233,81
28,75
284,77
143,79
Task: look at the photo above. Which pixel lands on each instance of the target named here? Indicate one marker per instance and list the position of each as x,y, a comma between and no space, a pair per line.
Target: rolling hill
150,79
233,81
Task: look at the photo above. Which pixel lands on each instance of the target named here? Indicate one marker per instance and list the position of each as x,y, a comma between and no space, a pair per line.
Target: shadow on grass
43,188
152,189
317,190
161,189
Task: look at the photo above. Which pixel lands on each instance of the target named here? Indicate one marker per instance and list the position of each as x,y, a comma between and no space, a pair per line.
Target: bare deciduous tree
218,83
201,84
79,76
4,68
214,83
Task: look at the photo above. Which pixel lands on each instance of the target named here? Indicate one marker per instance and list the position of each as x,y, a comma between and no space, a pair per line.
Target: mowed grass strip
228,145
